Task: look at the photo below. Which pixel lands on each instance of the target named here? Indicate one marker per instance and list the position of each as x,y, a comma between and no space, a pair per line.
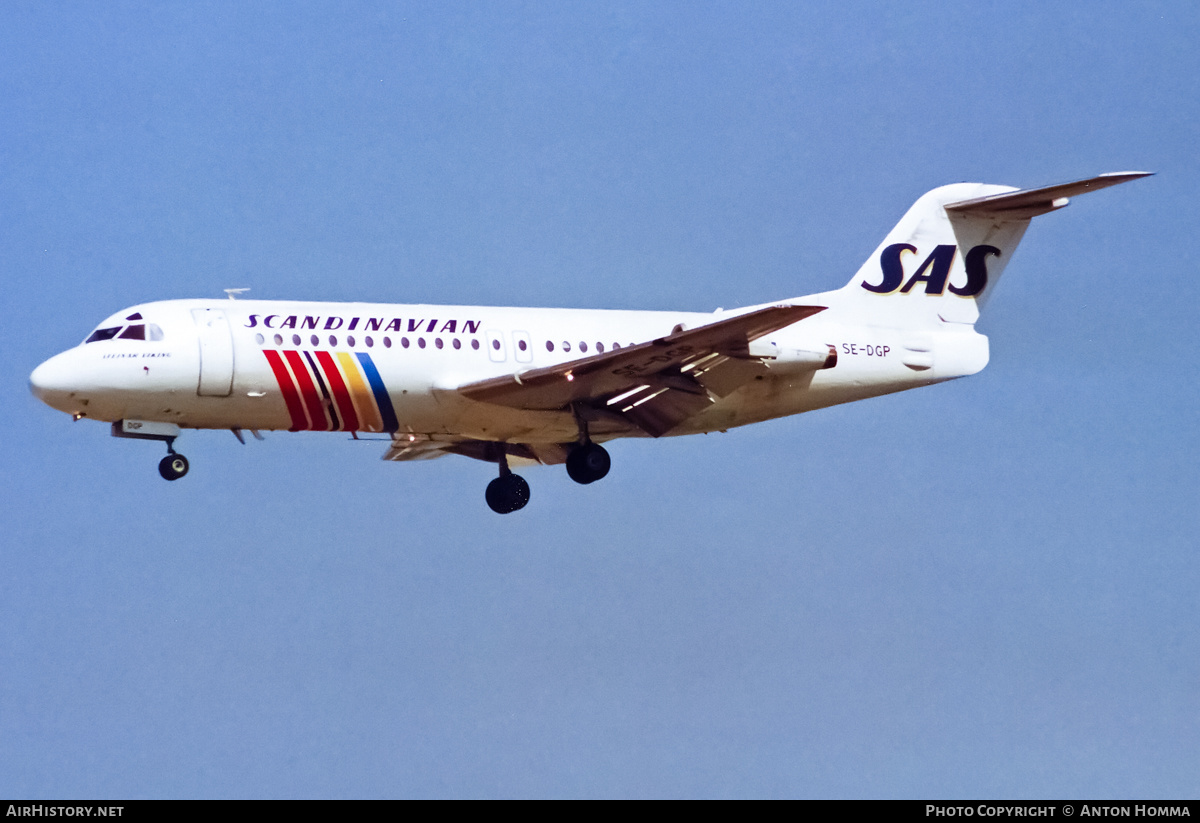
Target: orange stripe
364,400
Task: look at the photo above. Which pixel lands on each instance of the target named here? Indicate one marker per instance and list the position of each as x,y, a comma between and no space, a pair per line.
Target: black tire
173,467
588,463
507,494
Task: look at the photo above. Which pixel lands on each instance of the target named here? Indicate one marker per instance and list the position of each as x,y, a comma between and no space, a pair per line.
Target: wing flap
410,447
662,410
403,451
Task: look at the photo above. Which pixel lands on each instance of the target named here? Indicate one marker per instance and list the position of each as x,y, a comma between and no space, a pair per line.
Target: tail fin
944,258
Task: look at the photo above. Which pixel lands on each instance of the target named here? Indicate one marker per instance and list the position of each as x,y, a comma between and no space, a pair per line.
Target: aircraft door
495,344
216,352
523,349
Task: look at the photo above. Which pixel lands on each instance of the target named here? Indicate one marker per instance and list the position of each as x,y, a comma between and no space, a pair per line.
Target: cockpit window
137,331
103,334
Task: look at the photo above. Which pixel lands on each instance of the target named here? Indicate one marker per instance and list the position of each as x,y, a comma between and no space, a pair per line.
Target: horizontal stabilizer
1022,205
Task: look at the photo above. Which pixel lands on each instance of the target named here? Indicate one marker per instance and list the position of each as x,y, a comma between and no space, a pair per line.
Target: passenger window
566,346
421,342
583,346
600,348
404,342
332,340
549,346
437,341
350,341
387,342
295,340
259,339
475,345
370,342
316,341
457,343
279,340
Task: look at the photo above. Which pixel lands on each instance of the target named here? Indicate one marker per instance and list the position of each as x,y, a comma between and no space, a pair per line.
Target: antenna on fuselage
233,293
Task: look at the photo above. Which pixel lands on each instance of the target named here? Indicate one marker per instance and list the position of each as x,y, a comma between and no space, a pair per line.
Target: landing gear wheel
588,463
507,494
173,466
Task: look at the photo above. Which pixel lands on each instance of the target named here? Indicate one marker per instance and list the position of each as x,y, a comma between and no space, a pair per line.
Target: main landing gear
509,492
587,462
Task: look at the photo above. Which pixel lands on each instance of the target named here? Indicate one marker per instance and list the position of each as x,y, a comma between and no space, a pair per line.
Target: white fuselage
224,364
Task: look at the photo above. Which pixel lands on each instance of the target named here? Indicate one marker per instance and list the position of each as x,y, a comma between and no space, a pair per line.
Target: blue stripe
390,424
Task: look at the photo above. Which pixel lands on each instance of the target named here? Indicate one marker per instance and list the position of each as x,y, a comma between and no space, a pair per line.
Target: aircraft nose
53,382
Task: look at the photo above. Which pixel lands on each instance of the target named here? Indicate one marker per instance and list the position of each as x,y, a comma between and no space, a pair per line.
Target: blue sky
984,588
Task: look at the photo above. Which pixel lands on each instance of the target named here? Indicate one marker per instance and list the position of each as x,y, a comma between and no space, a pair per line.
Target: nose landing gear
509,492
173,466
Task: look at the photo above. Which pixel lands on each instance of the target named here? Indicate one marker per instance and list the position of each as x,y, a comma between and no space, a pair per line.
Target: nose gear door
216,352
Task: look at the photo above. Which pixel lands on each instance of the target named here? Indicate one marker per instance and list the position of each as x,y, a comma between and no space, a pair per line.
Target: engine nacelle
792,359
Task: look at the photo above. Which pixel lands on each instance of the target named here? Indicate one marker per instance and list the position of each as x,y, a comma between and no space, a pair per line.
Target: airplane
523,386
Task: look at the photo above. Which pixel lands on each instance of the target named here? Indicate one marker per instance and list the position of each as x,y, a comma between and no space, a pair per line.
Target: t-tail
944,258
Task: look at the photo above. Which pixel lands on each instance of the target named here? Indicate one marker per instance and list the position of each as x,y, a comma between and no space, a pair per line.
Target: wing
654,385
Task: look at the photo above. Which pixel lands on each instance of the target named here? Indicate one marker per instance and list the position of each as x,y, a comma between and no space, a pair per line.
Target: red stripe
340,394
312,400
295,409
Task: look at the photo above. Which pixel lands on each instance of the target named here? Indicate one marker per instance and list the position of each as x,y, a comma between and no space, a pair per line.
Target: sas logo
934,272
